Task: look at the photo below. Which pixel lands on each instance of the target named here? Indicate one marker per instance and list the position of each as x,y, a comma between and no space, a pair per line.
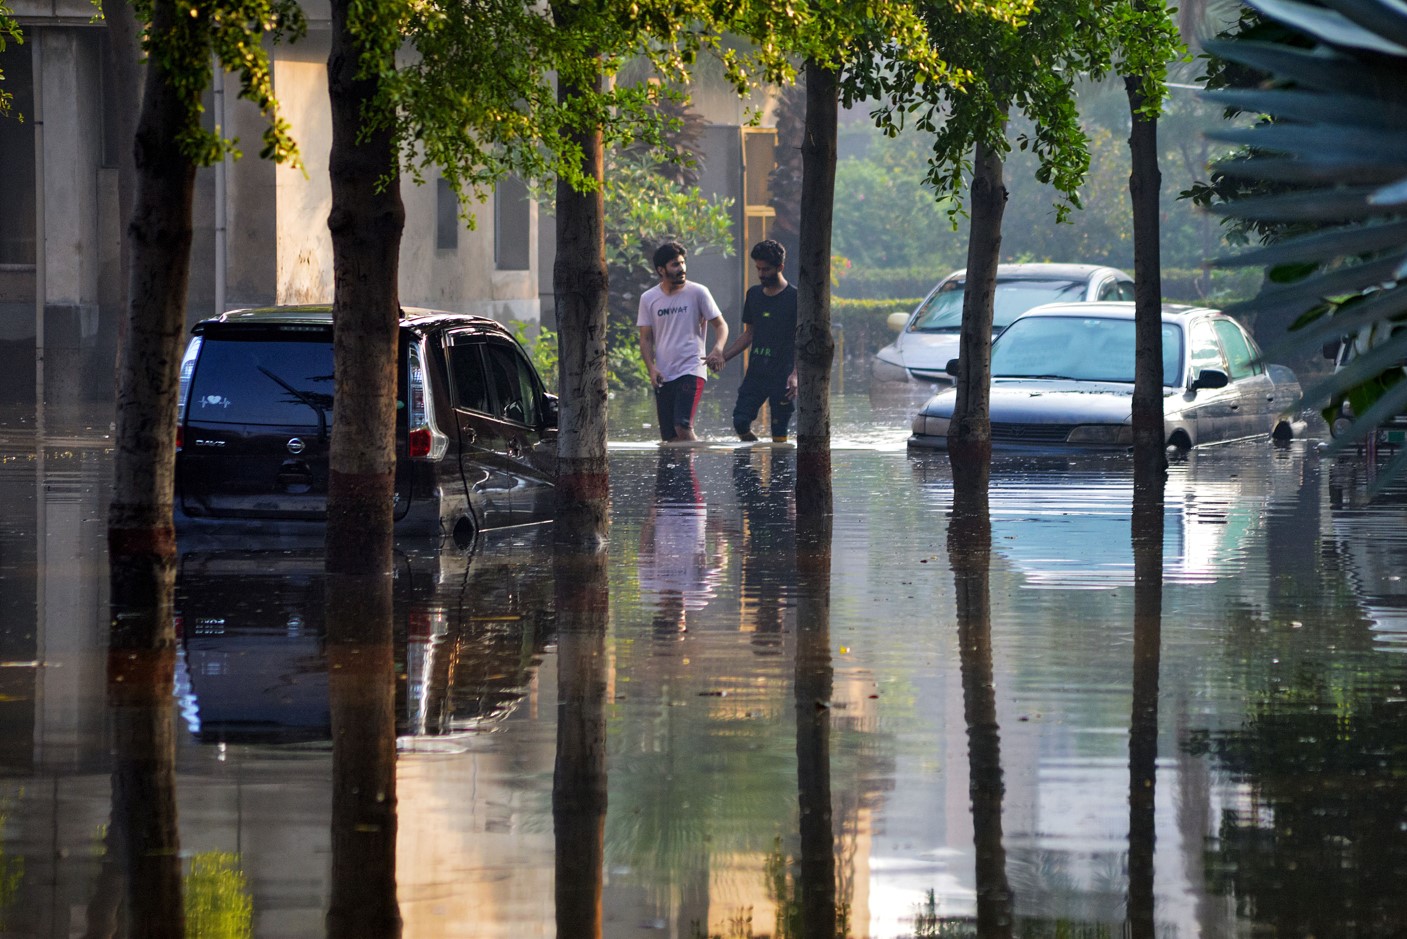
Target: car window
1084,348
1243,359
1206,351
471,388
1109,290
943,309
1124,290
514,386
261,380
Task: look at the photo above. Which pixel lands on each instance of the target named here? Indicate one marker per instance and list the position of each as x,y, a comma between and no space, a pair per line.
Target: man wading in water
674,316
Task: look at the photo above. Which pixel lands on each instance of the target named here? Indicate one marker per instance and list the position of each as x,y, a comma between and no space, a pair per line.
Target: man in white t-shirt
673,319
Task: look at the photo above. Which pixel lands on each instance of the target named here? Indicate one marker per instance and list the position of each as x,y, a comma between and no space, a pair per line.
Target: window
1244,360
466,366
513,384
1206,351
512,231
446,216
17,224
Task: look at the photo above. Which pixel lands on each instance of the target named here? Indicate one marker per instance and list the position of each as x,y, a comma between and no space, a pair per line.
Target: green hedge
862,324
879,283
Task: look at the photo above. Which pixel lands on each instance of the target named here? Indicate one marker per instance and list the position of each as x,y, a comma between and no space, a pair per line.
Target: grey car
1062,378
928,338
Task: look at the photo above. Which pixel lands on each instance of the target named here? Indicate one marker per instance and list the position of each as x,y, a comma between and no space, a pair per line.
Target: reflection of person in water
677,570
768,549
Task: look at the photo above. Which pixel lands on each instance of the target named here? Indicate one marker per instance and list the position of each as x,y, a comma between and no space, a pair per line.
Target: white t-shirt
678,321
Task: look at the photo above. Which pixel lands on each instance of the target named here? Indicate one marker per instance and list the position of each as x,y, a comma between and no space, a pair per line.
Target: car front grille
1031,433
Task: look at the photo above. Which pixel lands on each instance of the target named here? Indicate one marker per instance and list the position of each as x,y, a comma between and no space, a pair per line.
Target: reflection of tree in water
1321,850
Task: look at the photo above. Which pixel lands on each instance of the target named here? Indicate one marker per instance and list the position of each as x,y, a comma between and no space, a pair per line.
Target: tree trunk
139,516
582,289
814,687
366,222
141,672
361,691
1147,531
815,346
970,435
970,557
1145,180
579,784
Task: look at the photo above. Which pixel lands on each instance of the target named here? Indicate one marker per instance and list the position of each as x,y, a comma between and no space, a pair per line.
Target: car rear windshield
268,378
943,309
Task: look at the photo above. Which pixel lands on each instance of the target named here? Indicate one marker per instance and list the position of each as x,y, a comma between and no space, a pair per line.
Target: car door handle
469,434
1235,407
515,449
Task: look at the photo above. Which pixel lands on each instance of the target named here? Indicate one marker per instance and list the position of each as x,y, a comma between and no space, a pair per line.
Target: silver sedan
1062,378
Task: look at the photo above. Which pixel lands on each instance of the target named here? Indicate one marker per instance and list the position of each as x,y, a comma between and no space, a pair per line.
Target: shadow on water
140,681
579,774
1146,520
970,556
361,688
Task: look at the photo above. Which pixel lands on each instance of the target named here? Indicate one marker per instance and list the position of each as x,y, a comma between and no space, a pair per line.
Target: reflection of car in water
1041,507
928,337
1062,378
468,630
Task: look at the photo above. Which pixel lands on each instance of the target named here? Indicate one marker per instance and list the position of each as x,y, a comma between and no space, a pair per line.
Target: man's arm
647,352
739,344
714,359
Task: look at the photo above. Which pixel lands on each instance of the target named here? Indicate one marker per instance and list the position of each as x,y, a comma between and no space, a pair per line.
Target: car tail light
419,443
180,437
424,441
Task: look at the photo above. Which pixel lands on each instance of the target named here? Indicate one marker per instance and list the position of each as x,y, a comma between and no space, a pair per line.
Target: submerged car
1062,377
475,429
928,338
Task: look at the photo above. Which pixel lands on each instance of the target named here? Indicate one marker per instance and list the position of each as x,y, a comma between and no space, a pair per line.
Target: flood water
915,731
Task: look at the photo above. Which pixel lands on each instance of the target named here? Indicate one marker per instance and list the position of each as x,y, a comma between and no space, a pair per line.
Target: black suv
476,433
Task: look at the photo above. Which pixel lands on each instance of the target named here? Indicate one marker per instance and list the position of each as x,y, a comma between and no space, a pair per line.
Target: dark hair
770,251
668,252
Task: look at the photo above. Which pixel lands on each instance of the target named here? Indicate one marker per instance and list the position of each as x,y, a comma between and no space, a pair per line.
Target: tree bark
139,516
1145,181
816,881
815,346
366,221
361,689
970,434
141,672
1147,530
581,285
970,556
579,784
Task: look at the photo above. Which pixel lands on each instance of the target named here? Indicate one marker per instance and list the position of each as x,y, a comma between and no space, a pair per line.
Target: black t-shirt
773,322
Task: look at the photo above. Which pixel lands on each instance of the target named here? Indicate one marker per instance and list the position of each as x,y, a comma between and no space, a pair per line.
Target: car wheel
1180,441
466,531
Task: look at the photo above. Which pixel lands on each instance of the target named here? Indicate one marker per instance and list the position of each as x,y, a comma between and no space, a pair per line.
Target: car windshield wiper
1042,377
311,400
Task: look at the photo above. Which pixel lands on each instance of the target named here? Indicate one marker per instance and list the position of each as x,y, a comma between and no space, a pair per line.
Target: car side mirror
897,321
550,412
952,367
1210,378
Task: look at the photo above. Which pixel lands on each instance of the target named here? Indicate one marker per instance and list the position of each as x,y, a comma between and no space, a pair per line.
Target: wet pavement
990,724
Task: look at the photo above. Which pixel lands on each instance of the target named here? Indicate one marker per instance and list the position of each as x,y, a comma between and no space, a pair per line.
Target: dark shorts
676,401
764,383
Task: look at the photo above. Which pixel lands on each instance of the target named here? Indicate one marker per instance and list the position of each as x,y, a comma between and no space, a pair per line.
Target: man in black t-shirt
769,327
